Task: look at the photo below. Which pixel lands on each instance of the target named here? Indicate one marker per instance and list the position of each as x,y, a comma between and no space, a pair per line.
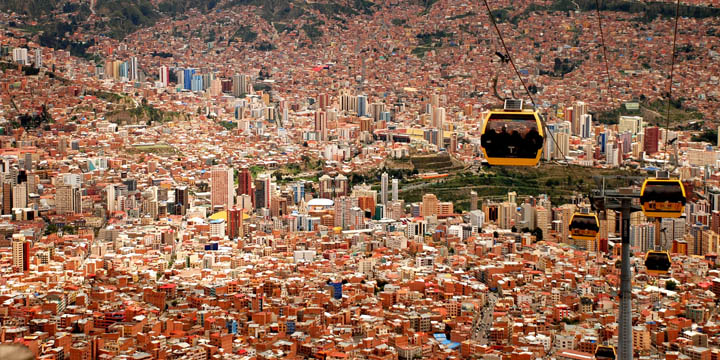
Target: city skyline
265,180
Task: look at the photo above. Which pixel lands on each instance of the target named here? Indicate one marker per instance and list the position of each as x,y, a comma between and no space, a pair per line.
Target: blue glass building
362,105
187,78
197,83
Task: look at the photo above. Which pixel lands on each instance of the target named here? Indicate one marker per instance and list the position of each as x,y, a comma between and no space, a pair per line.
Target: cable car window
663,198
584,226
657,262
663,191
605,352
510,135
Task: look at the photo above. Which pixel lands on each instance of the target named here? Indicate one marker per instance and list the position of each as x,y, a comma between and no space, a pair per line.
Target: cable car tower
624,201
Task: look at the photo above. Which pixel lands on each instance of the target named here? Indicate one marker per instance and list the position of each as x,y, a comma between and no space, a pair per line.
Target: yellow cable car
512,136
605,352
663,198
584,226
657,262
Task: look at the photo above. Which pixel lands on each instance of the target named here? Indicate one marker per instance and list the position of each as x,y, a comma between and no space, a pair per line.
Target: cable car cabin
605,352
584,226
657,262
512,136
663,198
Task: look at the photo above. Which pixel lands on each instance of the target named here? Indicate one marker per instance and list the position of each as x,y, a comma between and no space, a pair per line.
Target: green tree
68,229
670,285
51,229
709,135
538,234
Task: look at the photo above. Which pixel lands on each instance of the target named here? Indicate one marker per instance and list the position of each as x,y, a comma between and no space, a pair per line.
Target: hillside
118,18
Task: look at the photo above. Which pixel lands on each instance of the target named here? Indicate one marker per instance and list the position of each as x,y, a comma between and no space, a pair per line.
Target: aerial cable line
670,80
604,52
672,65
508,58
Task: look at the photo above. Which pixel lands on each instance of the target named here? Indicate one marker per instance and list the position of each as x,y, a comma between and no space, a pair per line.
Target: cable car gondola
512,136
663,198
657,262
584,226
605,352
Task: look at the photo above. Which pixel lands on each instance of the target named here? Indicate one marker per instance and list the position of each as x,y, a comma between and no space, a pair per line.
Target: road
483,320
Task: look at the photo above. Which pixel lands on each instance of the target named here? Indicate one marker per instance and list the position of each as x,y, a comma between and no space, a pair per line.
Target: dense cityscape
315,180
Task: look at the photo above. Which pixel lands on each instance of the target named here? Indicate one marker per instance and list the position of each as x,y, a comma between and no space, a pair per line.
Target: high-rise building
671,230
564,214
342,185
298,190
221,187
28,162
20,56
133,69
384,188
438,117
321,125
20,195
429,205
196,83
473,200
435,100
613,154
187,78
123,70
38,58
361,105
438,122
395,189
182,200
542,220
206,80
477,218
235,223
20,253
528,216
549,147
262,191
376,110
602,141
586,126
245,182
68,199
7,198
343,211
164,75
62,145
579,109
506,214
512,197
110,197
348,102
323,101
651,139
562,147
642,236
633,124
241,84
327,185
